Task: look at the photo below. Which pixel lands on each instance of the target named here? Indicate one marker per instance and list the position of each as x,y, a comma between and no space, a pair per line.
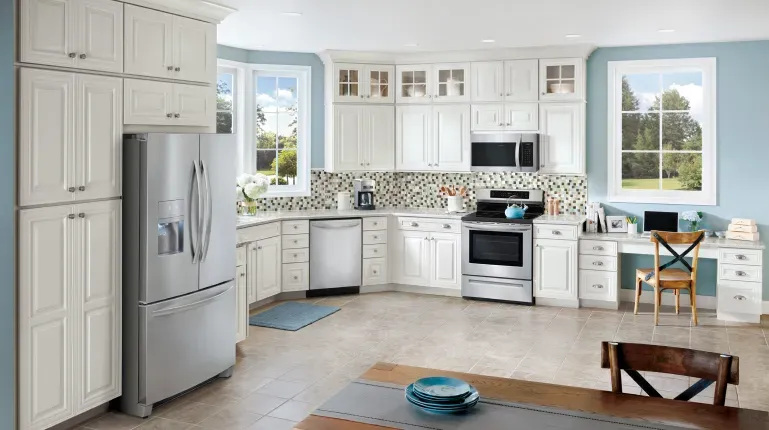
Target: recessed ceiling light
488,40
291,13
573,36
412,45
666,30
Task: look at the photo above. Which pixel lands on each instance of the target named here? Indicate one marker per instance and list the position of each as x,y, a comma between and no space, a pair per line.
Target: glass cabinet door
451,82
560,79
349,82
413,84
380,84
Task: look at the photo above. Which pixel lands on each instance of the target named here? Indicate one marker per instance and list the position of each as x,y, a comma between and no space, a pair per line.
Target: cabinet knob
556,232
368,96
82,56
71,216
375,250
296,241
81,215
509,94
429,165
597,286
176,115
740,297
170,68
258,247
72,55
242,275
509,123
543,93
170,115
598,263
361,164
501,124
413,224
177,69
295,278
361,96
375,223
296,255
81,188
296,227
501,94
427,238
368,164
432,238
740,273
375,272
446,226
376,237
71,189
598,248
740,257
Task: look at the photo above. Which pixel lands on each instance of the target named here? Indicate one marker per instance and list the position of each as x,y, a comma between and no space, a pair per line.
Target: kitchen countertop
560,219
709,242
264,217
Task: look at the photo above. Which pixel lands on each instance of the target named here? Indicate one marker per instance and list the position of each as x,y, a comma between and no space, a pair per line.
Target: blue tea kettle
515,211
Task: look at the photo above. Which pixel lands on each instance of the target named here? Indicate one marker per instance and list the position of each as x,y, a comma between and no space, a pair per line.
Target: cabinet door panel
251,271
349,82
521,80
413,130
194,105
194,50
45,323
555,269
147,102
380,84
380,138
100,35
348,138
561,79
522,116
415,84
561,138
148,42
451,143
46,137
241,304
487,82
268,270
47,28
452,82
98,292
99,137
374,271
487,117
412,258
446,262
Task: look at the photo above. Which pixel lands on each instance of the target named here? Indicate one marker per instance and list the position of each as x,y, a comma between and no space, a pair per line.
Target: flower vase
248,208
694,226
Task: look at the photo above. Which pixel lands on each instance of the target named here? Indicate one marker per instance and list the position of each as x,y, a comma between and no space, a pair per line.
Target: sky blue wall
7,223
317,136
742,141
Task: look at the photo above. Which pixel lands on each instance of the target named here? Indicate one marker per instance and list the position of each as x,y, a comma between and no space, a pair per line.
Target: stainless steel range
497,253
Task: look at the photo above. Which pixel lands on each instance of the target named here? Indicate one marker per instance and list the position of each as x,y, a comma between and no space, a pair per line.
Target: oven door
495,152
501,250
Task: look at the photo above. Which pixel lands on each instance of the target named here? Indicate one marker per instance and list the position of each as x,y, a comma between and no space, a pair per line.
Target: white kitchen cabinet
562,145
363,83
251,275
508,116
348,138
69,310
555,269
162,45
488,81
414,83
561,79
521,80
412,257
268,267
433,138
164,103
374,271
452,83
511,81
296,277
86,34
380,81
488,117
70,137
241,303
364,137
445,260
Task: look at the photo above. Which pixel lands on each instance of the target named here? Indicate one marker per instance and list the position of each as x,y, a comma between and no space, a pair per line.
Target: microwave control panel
527,154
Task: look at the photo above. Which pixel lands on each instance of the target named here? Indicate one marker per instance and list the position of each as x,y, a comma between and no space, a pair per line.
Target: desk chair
708,366
665,278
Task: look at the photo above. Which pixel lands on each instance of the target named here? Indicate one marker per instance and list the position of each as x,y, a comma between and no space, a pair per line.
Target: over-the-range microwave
504,152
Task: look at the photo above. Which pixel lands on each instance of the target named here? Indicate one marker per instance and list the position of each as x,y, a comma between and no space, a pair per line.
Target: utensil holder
455,203
632,229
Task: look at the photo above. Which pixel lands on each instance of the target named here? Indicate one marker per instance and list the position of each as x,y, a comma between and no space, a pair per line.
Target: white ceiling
441,25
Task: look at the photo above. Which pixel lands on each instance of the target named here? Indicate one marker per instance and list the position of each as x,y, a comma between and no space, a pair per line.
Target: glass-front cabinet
561,79
363,83
380,83
452,82
349,82
414,84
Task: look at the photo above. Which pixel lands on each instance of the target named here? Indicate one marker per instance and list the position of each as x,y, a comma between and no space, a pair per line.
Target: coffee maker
363,191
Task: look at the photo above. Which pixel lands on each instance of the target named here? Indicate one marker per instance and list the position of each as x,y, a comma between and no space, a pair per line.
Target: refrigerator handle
195,178
199,230
207,214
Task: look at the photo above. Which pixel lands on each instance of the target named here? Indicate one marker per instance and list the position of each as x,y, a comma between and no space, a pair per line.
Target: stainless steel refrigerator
178,264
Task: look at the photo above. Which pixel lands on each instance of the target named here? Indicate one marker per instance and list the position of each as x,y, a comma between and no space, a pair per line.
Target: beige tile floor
282,376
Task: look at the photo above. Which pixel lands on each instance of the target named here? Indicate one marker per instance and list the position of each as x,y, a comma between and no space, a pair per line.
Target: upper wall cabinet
363,83
364,138
165,103
562,138
452,82
426,83
561,79
432,138
84,34
414,83
162,45
495,81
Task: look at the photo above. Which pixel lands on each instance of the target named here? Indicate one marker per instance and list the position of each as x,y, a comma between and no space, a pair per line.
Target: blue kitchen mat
291,315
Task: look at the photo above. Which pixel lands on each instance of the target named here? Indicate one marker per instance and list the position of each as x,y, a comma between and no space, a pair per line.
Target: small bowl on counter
710,233
721,234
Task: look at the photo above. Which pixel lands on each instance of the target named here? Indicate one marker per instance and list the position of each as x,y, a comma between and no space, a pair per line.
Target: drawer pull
598,248
376,237
242,275
740,297
598,263
375,250
296,227
426,238
413,224
375,272
556,232
740,273
296,255
296,241
597,286
374,223
446,225
740,257
295,278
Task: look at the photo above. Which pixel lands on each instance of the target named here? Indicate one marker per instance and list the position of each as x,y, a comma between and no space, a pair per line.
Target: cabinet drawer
374,251
430,224
296,255
555,231
375,223
750,257
294,241
259,232
296,277
739,272
597,285
240,255
740,297
598,262
374,271
597,247
296,227
374,237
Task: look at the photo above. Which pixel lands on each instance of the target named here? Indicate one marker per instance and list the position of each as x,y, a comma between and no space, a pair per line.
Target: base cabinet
267,276
70,333
427,259
555,269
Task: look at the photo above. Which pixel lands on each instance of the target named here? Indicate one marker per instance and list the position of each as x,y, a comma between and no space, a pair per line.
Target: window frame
235,97
616,69
246,98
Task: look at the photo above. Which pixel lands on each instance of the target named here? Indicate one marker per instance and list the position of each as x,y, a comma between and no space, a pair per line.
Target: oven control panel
508,194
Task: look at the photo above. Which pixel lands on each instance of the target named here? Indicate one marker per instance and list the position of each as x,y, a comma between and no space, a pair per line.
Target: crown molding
202,10
566,51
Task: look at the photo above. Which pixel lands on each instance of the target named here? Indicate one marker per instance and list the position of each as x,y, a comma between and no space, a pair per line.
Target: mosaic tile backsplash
420,190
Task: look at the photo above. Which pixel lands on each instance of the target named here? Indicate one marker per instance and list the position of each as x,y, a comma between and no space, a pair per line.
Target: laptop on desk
660,221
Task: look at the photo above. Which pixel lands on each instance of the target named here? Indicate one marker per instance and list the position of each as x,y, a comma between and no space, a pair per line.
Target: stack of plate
442,395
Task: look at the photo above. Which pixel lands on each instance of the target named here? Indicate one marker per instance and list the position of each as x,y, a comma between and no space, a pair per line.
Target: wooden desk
652,410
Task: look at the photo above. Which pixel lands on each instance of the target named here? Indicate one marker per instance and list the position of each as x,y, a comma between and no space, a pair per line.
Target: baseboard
436,291
376,288
765,308
668,299
600,304
563,303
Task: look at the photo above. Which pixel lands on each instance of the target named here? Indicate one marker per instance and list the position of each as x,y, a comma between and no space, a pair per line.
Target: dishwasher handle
334,224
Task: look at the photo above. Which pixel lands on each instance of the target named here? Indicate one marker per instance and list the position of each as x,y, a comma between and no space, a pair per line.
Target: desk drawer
430,224
555,231
259,232
597,285
296,255
294,241
598,247
750,257
375,223
240,255
374,251
739,272
598,262
296,227
374,237
739,297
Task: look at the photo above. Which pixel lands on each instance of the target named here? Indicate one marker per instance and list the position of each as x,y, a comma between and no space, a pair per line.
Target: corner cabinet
433,138
555,269
70,332
363,138
562,138
561,79
164,103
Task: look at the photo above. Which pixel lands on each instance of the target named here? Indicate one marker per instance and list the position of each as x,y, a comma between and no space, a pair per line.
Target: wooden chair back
675,238
710,367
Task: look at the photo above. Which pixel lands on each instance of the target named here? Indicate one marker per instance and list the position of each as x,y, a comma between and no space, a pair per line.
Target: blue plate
442,387
459,406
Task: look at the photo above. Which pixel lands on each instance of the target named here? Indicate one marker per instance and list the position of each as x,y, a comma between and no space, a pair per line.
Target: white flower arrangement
250,187
694,218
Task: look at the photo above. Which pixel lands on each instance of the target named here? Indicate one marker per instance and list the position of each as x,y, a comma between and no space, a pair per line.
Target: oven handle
485,226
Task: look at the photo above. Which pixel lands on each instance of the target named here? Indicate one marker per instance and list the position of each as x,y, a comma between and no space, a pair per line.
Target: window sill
664,200
286,193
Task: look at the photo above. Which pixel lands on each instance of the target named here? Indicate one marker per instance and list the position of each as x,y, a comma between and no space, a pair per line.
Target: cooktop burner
492,205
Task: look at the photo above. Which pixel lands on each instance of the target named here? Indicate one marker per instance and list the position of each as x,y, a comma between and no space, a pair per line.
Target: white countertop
560,219
709,242
263,217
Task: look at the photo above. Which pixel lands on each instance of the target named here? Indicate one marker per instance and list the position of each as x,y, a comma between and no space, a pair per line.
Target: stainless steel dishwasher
335,257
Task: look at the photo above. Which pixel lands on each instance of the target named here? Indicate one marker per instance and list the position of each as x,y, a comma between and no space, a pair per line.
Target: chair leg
657,302
678,300
637,295
693,300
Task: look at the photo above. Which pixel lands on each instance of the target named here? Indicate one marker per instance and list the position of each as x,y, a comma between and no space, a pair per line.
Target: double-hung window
662,131
226,80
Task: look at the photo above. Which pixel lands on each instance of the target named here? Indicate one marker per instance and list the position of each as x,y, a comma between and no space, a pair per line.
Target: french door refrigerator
179,225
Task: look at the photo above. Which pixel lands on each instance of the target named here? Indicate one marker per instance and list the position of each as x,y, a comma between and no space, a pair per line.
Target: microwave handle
518,153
